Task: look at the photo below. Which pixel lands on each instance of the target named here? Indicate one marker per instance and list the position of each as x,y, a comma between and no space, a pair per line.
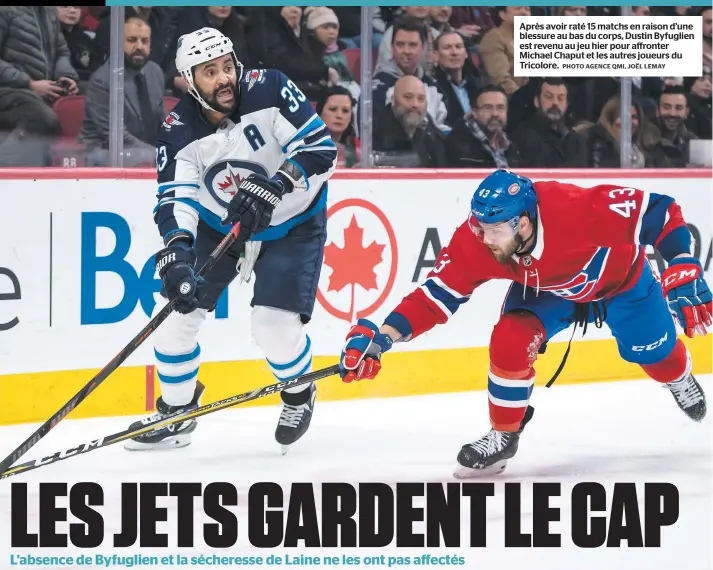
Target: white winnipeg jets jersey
199,165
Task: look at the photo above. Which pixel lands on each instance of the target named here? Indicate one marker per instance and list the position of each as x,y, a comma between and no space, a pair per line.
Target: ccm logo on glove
259,192
682,275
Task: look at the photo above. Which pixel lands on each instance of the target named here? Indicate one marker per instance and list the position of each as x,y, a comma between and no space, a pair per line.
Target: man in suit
143,102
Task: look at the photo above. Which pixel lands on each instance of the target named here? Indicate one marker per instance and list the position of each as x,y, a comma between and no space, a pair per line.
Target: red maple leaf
228,182
353,264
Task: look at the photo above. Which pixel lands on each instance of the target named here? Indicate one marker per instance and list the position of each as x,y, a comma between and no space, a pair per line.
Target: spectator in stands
456,77
651,88
80,42
605,137
479,140
544,140
277,39
408,39
497,50
192,18
440,18
571,10
336,107
699,102
472,22
90,17
143,102
420,15
322,38
588,95
33,58
706,14
350,27
161,20
672,112
403,126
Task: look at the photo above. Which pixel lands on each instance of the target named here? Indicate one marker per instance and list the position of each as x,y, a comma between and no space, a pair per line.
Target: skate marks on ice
605,433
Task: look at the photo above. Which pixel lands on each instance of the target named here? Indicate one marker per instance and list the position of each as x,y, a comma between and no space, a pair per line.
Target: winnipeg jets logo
223,178
231,183
255,76
171,121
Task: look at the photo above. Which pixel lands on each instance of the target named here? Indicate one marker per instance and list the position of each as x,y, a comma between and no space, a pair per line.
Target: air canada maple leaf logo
360,261
353,264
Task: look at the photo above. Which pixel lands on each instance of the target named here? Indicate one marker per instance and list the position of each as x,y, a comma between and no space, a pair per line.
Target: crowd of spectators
444,93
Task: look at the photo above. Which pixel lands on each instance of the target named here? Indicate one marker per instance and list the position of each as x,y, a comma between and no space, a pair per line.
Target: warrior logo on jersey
171,121
581,285
222,179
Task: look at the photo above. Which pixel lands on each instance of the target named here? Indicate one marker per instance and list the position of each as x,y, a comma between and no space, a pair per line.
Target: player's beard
505,251
212,100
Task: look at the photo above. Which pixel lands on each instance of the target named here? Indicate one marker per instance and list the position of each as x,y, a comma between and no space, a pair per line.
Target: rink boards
77,283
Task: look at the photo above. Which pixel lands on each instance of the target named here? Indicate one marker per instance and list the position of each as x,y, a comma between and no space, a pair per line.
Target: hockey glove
175,265
253,204
361,355
689,298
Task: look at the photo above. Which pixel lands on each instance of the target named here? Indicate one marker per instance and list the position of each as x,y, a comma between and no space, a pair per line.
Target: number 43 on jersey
622,208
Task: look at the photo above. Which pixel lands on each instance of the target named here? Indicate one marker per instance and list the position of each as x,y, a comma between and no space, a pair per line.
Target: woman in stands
336,107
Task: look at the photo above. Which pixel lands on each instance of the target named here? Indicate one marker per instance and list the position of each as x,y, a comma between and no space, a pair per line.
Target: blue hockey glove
689,298
361,355
176,267
253,204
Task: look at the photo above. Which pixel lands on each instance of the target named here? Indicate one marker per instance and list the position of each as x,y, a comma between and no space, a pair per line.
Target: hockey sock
177,374
514,346
675,366
300,364
508,397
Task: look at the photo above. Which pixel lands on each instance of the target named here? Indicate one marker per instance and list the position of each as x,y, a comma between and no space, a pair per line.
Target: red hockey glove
689,298
361,356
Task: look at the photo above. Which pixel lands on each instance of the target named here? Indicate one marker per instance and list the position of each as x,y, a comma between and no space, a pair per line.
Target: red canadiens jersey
590,245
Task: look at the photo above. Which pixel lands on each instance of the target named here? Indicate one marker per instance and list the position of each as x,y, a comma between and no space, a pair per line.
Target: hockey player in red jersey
575,256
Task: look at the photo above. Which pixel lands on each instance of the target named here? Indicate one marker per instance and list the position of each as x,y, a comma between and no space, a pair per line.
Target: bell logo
359,263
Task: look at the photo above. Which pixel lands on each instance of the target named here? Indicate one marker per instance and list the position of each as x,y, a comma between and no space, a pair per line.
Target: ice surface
608,433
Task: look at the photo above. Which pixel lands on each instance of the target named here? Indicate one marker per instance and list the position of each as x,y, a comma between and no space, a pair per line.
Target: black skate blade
175,442
462,472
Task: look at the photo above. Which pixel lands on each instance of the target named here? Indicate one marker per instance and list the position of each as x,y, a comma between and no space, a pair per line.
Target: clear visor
493,234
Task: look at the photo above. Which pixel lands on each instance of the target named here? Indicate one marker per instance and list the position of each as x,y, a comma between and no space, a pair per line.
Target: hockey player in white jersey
242,145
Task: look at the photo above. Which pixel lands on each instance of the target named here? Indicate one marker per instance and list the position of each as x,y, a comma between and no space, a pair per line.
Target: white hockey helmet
199,47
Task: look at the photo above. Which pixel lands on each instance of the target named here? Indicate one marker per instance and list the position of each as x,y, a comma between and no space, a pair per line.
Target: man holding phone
35,71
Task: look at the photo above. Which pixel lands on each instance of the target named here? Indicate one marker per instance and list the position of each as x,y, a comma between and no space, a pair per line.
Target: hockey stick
127,351
176,417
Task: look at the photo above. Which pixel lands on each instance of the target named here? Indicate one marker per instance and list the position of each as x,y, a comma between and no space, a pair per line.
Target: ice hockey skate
295,417
489,455
689,396
173,436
